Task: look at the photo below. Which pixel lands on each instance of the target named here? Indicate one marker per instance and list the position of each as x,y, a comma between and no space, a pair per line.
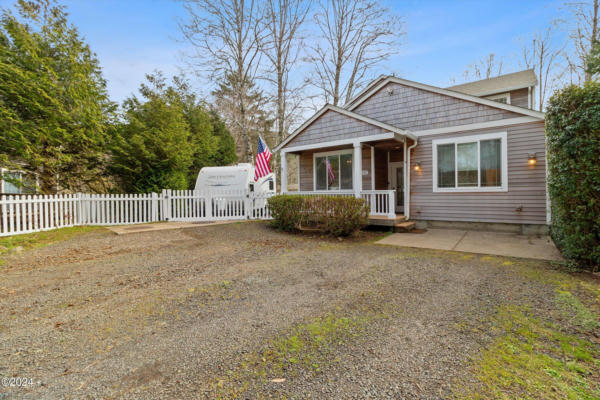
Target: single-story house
472,153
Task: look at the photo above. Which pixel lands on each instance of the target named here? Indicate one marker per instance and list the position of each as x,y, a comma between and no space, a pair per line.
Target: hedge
335,215
573,144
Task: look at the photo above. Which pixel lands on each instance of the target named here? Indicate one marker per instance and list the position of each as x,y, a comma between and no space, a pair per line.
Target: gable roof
498,84
382,81
332,108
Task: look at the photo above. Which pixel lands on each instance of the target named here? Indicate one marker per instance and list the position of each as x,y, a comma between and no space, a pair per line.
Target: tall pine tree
54,108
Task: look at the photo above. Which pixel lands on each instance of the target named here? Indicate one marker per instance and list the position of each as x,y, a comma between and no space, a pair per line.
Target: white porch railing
381,202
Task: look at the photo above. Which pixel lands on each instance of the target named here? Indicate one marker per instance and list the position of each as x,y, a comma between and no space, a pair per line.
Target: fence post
248,206
166,194
154,217
208,209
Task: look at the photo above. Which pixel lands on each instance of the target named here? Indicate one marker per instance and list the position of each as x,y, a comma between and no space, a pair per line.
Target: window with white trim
470,163
503,98
333,170
15,182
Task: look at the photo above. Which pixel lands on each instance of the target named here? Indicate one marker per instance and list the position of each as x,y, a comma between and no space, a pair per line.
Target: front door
397,183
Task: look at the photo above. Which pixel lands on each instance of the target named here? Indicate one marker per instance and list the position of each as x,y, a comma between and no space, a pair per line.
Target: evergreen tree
54,108
166,138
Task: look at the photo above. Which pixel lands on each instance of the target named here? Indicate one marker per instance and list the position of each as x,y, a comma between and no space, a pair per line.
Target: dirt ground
243,311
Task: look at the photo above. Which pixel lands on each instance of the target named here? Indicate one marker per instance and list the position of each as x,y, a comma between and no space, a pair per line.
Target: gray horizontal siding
520,98
526,185
416,109
334,126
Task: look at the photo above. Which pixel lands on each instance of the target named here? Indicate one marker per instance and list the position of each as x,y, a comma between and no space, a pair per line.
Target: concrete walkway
160,226
496,243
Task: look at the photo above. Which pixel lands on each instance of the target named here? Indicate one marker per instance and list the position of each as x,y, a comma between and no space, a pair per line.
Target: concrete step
406,226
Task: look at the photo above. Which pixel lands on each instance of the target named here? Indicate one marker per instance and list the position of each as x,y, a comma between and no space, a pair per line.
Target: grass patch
575,312
306,347
41,239
533,359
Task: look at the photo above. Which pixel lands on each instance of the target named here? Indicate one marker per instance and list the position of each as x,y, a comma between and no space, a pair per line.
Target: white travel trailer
234,178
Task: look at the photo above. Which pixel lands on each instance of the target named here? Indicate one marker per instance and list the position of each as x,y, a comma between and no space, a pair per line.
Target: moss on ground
532,358
42,239
306,348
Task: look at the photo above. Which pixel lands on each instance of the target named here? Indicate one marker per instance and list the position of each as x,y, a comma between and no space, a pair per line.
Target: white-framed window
333,170
15,182
470,163
503,98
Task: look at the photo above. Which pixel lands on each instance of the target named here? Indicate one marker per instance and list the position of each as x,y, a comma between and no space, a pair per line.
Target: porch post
283,171
372,167
357,181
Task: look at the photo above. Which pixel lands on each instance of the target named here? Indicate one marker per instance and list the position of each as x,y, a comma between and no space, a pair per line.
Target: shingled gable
333,123
376,87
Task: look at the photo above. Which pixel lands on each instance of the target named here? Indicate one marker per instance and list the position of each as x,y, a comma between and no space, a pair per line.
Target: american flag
330,172
263,156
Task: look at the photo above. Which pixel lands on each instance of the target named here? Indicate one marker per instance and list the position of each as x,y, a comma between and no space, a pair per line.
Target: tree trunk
593,39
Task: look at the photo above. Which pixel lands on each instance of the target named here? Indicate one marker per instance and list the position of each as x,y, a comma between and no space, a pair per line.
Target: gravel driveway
243,311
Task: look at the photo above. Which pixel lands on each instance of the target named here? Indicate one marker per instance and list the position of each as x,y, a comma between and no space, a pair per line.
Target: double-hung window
15,182
470,164
333,170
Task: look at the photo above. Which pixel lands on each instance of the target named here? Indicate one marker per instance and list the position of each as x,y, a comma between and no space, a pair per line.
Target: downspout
407,202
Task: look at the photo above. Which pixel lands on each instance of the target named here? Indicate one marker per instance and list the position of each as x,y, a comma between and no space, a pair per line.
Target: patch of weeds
532,358
307,347
41,239
575,312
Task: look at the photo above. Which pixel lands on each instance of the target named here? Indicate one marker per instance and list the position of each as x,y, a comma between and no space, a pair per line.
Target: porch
375,171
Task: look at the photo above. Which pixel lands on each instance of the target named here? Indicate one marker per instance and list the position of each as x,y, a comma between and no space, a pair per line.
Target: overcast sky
134,37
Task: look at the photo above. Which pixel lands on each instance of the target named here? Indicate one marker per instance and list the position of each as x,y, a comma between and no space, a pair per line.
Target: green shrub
573,132
336,215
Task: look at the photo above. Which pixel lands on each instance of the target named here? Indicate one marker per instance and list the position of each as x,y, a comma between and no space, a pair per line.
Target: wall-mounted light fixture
417,166
532,160
390,91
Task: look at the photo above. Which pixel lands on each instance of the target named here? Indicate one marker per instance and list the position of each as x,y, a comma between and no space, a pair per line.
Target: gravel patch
171,314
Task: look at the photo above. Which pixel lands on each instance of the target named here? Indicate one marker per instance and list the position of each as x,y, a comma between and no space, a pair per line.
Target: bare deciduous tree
282,23
486,68
584,33
226,35
356,36
542,55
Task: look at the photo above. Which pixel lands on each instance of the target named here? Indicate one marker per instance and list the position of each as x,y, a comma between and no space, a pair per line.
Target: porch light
417,166
532,160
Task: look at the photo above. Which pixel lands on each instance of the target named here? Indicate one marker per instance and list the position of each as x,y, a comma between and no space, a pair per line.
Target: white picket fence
34,213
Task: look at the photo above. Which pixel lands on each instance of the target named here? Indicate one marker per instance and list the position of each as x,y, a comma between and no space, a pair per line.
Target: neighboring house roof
498,84
329,107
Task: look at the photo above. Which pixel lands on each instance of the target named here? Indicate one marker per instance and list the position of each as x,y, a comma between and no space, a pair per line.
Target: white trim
495,91
481,125
347,113
498,96
372,167
298,172
332,153
474,99
343,142
468,139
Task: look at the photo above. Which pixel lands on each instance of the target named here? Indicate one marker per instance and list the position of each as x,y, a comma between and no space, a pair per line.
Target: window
16,182
470,164
503,98
333,170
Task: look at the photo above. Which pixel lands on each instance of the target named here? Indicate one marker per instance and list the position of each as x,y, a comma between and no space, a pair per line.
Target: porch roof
393,132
